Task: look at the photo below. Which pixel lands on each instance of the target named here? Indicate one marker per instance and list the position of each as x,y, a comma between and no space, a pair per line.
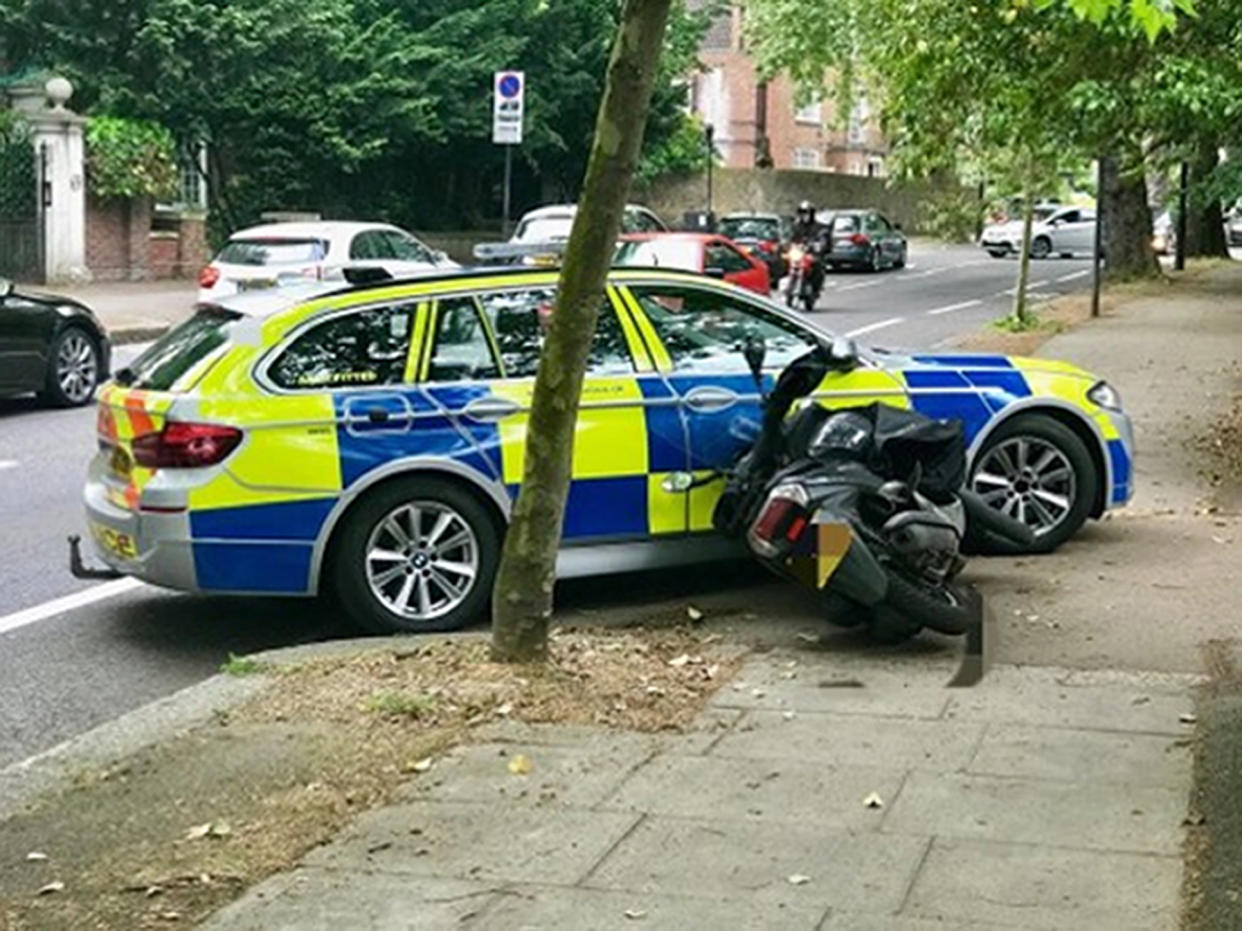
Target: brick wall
117,235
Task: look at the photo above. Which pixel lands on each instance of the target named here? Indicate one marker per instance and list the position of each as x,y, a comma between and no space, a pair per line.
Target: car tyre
358,569
998,253
72,369
1041,247
874,260
901,258
1048,433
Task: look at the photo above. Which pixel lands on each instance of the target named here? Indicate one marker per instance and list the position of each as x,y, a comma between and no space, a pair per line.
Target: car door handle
487,410
377,415
709,398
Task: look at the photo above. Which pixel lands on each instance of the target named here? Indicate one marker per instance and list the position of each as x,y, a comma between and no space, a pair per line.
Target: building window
811,113
191,172
806,158
875,167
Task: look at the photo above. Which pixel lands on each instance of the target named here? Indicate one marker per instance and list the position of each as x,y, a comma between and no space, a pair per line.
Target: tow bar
79,569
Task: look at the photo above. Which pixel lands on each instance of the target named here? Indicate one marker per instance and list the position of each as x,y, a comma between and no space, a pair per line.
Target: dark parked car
764,235
862,239
53,346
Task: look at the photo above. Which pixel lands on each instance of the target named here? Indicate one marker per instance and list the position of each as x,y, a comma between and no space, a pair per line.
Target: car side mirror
714,271
6,287
843,354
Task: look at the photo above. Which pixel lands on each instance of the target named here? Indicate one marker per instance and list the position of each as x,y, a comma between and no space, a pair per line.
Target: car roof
268,303
317,229
750,215
566,210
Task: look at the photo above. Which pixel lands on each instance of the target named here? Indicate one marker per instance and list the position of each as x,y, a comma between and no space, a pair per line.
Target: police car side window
364,347
705,331
520,319
461,349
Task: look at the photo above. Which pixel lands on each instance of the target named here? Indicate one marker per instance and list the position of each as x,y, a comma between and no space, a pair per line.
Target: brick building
752,119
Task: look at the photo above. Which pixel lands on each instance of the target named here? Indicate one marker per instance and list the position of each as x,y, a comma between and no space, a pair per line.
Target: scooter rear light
782,513
775,515
795,529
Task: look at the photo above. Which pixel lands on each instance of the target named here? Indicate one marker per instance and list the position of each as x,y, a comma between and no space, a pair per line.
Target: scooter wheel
840,611
891,627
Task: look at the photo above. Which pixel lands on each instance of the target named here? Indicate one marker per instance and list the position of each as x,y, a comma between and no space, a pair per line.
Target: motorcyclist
809,233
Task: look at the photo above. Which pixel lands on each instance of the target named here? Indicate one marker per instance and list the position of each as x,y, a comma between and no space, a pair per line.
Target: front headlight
1105,395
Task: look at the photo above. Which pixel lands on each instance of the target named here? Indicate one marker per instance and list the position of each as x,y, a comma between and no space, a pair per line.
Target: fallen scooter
865,505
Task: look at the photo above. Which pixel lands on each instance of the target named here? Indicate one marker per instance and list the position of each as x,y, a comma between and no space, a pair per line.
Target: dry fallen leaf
679,661
56,886
36,855
758,693
874,801
520,765
634,914
809,638
798,879
199,830
1187,718
422,765
694,613
505,709
788,715
210,829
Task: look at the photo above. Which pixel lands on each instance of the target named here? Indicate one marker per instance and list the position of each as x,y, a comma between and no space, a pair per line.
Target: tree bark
1127,222
522,598
1024,257
1205,223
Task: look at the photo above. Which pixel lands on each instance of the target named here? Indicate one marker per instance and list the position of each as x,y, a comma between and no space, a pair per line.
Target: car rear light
185,445
208,277
860,239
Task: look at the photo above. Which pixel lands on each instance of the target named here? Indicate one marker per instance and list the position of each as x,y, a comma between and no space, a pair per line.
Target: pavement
816,792
133,311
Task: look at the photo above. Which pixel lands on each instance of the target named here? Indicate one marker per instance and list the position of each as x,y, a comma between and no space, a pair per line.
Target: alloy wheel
422,560
1028,479
76,367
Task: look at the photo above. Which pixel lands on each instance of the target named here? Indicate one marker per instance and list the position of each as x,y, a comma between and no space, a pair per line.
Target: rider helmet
806,211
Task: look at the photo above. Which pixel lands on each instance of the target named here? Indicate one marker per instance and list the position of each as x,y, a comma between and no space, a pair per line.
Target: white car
279,254
1057,230
552,223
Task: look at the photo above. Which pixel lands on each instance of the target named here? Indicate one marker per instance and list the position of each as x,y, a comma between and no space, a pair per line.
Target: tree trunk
522,598
1205,223
1127,222
1024,257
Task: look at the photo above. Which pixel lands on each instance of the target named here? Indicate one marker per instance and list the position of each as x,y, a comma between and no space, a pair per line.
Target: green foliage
681,152
129,158
375,108
400,704
953,217
243,666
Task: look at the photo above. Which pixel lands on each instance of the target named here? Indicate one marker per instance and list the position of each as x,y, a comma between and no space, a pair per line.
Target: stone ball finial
58,91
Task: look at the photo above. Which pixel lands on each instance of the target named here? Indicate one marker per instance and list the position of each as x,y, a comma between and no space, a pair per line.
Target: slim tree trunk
1127,222
522,599
1024,257
1205,223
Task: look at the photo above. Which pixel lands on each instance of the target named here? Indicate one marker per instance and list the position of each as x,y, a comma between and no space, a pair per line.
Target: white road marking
8,464
1072,275
875,326
1031,286
68,603
864,284
952,307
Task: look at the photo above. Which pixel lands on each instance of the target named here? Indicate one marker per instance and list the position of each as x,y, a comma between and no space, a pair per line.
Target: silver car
1057,230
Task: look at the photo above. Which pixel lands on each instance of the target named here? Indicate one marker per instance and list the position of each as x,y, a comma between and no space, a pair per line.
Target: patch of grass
243,666
400,704
1010,323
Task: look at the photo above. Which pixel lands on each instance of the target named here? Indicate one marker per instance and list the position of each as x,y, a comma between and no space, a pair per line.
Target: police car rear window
178,350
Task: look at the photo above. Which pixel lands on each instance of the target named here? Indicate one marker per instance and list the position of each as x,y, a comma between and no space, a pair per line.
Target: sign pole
504,229
1179,258
1095,249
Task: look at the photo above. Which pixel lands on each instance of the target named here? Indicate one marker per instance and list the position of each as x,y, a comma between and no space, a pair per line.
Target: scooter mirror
755,351
677,482
844,353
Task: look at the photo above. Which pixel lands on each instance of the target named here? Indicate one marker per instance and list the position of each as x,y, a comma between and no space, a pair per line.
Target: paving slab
725,858
1090,816
1048,697
861,692
557,909
851,739
472,840
772,790
1086,756
854,921
698,736
569,775
1034,887
331,900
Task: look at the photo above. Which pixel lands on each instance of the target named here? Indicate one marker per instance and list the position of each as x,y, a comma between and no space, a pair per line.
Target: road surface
74,654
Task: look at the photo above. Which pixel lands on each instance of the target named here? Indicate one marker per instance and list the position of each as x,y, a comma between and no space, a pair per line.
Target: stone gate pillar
60,153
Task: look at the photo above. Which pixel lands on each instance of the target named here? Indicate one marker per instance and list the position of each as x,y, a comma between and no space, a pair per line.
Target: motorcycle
803,285
865,505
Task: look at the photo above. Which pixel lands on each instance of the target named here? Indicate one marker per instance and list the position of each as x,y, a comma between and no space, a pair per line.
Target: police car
369,439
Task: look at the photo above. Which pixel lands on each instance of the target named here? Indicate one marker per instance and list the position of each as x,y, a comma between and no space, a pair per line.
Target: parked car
552,223
53,346
369,439
1163,234
279,254
1233,227
1057,229
862,239
708,253
764,235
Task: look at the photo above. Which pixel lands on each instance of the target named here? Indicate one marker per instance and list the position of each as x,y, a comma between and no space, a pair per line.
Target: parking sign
508,99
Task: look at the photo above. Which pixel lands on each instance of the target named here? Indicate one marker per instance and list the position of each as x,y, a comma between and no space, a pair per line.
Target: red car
707,253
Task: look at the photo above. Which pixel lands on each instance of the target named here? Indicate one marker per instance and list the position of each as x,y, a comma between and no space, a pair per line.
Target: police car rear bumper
152,546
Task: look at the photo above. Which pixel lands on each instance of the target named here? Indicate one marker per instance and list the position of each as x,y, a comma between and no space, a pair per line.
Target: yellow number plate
115,542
